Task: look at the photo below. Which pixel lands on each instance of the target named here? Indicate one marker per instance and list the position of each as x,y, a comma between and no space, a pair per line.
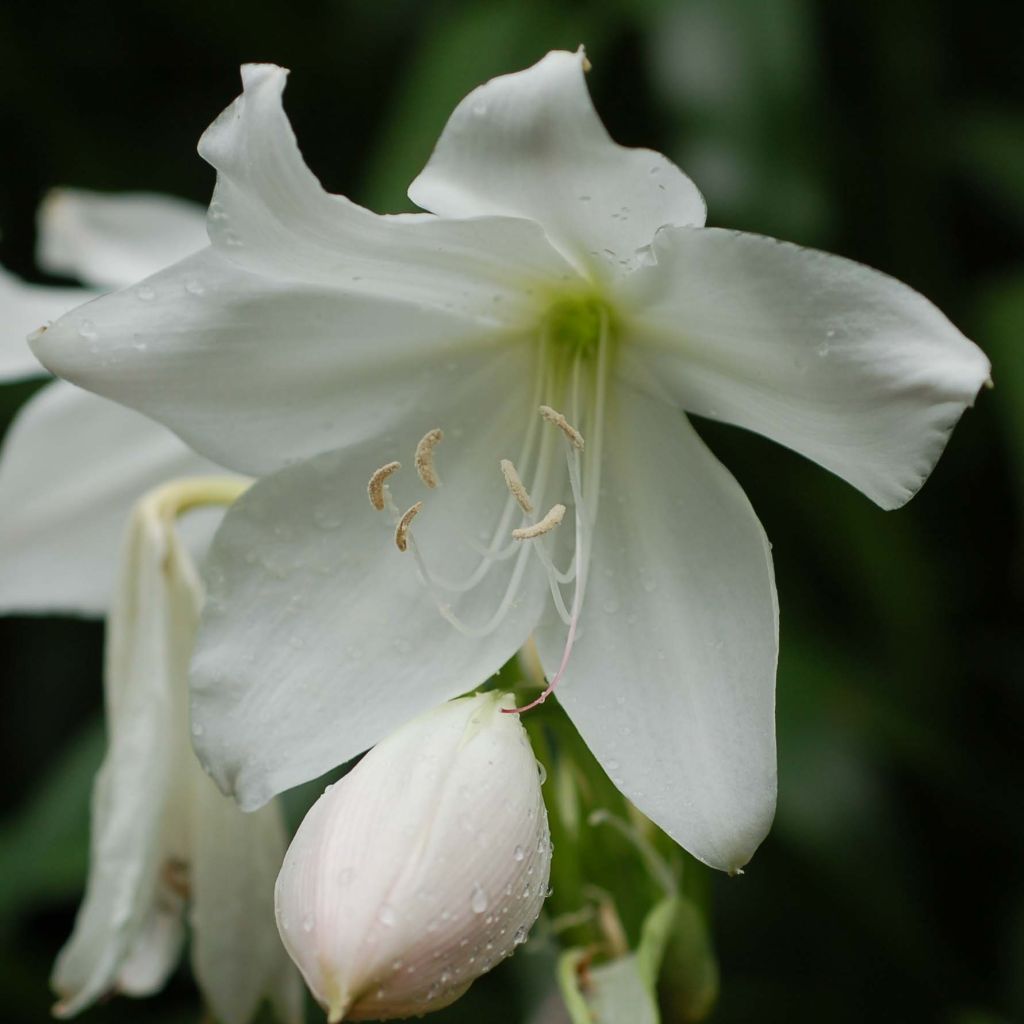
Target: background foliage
890,888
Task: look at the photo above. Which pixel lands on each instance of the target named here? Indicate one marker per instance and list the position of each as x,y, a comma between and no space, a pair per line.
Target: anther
546,525
425,456
515,485
402,529
554,416
375,488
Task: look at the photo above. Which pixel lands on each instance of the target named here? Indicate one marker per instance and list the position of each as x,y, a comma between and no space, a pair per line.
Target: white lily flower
72,464
318,343
162,835
422,868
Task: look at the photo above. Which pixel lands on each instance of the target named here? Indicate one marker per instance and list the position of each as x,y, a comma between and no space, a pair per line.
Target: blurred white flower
422,868
163,837
320,343
72,464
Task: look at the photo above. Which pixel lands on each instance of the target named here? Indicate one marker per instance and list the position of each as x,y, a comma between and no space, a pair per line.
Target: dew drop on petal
87,329
520,936
518,853
194,286
478,900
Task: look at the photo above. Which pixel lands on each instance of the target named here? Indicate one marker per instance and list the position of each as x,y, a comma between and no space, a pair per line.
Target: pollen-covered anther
425,456
515,485
375,488
546,525
402,529
554,416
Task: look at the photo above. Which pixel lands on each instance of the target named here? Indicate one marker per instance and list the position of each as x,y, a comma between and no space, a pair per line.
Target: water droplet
194,286
197,729
479,108
478,900
145,293
87,329
542,772
527,891
520,936
396,965
386,914
612,765
518,853
307,923
232,240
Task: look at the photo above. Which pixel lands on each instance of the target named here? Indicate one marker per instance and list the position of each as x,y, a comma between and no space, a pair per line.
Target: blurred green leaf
44,850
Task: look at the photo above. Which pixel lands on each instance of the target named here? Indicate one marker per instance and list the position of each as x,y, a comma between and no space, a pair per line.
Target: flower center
575,325
557,469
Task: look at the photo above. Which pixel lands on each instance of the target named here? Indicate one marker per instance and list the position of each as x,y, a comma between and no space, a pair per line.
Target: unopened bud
421,869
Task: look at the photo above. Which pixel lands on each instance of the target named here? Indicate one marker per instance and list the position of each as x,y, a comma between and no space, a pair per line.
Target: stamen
546,525
515,485
425,456
402,529
375,488
554,416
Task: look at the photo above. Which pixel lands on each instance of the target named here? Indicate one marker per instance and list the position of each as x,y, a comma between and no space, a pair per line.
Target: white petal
318,637
25,308
154,953
271,215
110,240
135,837
672,679
237,955
71,467
839,362
256,372
531,145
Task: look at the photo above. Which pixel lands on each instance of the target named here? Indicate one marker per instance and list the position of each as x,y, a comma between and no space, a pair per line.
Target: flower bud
422,868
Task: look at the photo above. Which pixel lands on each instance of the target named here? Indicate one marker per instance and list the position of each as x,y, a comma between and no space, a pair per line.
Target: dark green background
890,888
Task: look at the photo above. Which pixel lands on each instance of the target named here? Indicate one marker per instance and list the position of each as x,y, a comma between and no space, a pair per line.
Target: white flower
163,837
317,342
422,868
73,464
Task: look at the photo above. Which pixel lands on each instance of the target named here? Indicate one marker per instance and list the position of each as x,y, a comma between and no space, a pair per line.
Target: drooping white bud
422,868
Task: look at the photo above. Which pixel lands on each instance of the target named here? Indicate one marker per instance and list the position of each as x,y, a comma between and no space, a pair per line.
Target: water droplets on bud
520,936
478,900
386,915
307,923
518,853
194,286
87,330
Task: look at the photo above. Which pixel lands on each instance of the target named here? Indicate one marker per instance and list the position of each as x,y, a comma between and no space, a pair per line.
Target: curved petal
155,951
237,955
531,145
839,362
258,372
672,679
318,637
270,215
136,839
109,240
25,308
71,467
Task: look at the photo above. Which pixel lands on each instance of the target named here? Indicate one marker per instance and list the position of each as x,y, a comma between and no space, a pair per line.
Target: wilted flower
560,273
163,837
72,465
422,868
